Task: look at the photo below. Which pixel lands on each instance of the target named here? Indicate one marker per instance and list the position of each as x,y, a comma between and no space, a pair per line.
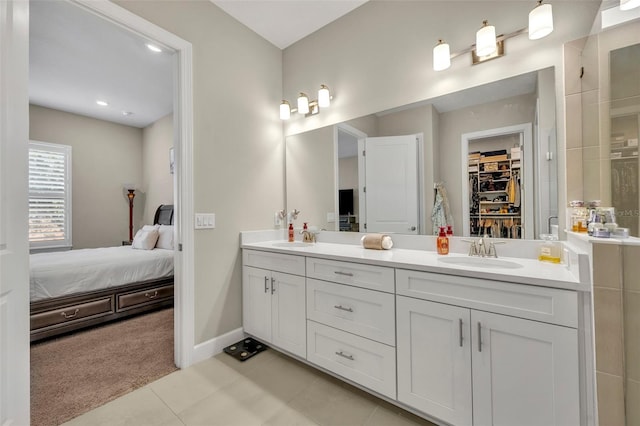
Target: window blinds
49,194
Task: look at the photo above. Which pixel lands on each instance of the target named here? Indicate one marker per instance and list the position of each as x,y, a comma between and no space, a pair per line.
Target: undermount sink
293,244
480,262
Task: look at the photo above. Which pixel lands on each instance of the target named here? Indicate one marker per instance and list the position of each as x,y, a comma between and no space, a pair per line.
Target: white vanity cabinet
464,365
351,322
273,300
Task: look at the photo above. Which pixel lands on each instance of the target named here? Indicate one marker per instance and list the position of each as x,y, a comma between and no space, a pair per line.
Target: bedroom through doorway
129,144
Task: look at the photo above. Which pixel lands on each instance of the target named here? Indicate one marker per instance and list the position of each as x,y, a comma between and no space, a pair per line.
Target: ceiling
283,22
77,58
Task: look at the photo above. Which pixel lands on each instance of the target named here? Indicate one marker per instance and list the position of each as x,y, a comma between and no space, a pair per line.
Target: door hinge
364,189
365,226
581,72
180,247
364,153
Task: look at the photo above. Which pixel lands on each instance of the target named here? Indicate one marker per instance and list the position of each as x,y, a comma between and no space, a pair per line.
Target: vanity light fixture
305,106
489,46
303,103
441,56
540,21
629,4
486,39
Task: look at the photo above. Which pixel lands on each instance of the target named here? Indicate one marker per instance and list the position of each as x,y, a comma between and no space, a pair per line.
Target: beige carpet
75,374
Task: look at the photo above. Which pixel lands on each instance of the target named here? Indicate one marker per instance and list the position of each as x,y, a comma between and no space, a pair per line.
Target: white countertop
532,271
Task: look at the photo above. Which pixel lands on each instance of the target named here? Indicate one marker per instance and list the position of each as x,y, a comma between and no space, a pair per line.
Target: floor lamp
130,196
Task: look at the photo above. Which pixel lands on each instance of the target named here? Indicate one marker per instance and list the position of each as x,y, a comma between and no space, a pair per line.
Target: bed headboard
164,215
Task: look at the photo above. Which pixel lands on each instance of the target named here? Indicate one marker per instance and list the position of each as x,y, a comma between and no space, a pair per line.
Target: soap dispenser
443,242
290,232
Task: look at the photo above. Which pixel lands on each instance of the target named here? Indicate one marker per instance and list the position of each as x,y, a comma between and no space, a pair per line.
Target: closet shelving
495,194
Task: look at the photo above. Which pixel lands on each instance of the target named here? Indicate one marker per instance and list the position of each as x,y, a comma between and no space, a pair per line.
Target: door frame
527,164
360,135
184,264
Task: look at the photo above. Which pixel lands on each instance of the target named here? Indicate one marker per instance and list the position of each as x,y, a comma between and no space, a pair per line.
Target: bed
75,289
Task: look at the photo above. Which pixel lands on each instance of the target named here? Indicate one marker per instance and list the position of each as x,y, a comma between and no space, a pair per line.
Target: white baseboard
206,350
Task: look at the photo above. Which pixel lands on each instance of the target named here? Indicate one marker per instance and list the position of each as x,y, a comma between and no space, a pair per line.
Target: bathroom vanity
457,340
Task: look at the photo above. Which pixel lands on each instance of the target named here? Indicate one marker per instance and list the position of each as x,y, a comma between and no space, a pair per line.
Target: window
49,195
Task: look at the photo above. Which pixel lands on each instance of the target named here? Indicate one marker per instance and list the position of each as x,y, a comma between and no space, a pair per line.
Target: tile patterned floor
268,389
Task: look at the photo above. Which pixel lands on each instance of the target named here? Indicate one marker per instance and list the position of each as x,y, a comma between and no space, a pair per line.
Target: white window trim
65,244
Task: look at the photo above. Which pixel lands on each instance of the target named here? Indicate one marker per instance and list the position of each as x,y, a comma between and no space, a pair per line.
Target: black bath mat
245,349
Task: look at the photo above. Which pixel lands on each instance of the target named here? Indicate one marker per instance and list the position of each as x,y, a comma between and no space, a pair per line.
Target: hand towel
377,242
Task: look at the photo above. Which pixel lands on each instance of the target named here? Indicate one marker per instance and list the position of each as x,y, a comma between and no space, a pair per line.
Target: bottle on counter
443,242
550,249
291,232
449,231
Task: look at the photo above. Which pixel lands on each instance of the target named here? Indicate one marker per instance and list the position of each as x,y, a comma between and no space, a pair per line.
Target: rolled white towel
377,242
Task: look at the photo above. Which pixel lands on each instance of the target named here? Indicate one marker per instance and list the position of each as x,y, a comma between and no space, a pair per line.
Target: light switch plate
205,220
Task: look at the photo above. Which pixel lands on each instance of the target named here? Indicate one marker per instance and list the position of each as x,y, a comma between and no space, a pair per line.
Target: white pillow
145,239
150,227
165,240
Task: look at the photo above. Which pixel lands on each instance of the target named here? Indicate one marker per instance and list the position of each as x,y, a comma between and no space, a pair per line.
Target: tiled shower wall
616,294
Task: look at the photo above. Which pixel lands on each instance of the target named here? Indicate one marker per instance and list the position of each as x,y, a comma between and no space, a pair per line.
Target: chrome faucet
308,236
482,247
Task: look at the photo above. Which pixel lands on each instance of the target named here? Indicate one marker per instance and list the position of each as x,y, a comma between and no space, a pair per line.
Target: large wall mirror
382,169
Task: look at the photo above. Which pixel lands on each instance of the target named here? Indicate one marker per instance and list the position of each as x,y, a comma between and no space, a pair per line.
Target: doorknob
413,228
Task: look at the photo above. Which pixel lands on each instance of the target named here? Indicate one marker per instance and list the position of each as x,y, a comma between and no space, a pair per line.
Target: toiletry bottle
304,227
291,232
550,250
443,242
449,231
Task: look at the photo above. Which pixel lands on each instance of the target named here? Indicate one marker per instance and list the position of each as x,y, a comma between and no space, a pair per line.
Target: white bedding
78,271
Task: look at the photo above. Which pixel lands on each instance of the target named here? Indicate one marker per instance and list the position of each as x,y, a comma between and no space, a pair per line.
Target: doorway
497,164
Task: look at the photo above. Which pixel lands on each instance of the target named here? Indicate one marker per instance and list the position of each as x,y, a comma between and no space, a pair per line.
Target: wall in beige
453,124
238,147
157,181
104,156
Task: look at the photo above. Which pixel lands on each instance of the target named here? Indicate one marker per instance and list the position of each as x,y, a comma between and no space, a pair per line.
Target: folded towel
377,242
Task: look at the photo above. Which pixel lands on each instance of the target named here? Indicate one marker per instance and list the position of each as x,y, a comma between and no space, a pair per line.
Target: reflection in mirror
624,112
326,171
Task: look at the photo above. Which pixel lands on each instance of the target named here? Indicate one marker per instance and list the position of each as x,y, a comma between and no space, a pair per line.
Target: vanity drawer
368,363
143,297
73,313
367,313
544,304
287,263
360,275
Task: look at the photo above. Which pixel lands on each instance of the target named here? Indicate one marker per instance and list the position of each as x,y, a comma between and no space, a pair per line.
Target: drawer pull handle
342,308
69,316
266,284
273,285
479,337
343,355
460,324
152,296
346,274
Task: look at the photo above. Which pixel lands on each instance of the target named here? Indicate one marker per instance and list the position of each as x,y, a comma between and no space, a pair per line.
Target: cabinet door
256,302
289,330
434,359
524,372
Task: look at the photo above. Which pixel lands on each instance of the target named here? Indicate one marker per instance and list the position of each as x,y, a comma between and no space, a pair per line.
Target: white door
14,245
434,359
391,184
524,372
288,313
256,302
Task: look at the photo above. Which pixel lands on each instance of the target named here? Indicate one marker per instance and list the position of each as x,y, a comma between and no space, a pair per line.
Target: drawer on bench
143,297
93,308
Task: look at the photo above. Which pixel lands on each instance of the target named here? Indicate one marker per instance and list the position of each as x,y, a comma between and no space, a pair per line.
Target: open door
14,244
391,187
